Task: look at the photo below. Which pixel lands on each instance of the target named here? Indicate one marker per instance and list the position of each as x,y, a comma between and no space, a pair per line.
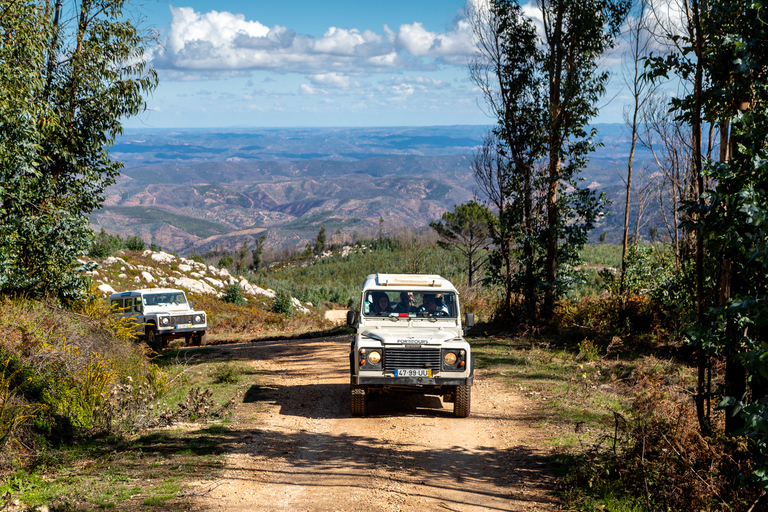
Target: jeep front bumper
389,380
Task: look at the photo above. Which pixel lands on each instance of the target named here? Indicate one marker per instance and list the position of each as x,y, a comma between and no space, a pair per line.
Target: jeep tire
463,401
154,340
200,339
357,400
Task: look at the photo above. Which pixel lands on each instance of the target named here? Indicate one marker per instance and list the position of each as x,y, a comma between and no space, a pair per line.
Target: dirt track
298,449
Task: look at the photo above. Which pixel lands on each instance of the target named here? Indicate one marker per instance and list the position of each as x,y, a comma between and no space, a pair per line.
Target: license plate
413,372
182,326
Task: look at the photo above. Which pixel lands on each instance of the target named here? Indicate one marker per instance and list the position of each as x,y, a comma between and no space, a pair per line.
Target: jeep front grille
183,319
411,358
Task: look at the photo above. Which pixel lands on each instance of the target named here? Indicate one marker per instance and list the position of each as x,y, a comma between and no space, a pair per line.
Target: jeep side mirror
190,304
351,318
469,320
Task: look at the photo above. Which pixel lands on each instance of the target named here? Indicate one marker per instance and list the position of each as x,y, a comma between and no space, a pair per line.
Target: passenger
406,303
431,306
381,305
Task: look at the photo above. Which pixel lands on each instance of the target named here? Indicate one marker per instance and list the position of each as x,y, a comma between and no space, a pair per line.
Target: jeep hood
406,336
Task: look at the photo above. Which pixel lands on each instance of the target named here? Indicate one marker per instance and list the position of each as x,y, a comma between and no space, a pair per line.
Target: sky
307,63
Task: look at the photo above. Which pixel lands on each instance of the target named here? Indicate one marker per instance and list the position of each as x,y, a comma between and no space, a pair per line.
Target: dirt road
298,449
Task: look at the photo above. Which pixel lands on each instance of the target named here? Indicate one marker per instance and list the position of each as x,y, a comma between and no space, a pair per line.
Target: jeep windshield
409,304
164,299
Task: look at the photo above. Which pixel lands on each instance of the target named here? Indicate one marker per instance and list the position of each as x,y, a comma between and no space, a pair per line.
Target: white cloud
222,42
454,44
330,80
308,90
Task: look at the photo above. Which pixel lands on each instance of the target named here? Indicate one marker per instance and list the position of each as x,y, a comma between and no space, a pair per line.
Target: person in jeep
381,304
433,306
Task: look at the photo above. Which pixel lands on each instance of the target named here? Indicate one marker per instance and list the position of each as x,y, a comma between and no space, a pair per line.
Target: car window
409,303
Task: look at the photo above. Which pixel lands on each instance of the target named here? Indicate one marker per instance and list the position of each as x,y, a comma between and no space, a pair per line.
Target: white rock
297,305
147,277
122,276
137,279
196,275
215,282
185,268
106,289
195,286
112,260
162,257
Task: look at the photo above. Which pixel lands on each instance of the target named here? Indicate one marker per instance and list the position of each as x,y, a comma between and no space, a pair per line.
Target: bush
283,305
226,262
104,245
226,374
235,295
134,243
196,257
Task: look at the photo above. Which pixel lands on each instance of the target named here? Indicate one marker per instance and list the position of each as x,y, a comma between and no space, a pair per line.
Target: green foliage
337,279
648,267
134,243
104,245
282,303
226,262
66,89
234,295
729,48
196,257
467,228
320,241
256,254
226,374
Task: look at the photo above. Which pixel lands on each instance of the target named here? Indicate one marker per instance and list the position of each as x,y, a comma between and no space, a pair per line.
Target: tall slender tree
542,92
576,35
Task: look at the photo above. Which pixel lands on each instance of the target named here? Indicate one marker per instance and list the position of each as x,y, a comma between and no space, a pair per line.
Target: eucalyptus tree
70,73
577,33
541,85
506,68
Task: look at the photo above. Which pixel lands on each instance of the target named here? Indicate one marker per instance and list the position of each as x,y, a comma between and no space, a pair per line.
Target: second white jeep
165,314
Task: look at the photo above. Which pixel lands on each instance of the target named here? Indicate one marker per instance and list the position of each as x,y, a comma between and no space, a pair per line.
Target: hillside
194,190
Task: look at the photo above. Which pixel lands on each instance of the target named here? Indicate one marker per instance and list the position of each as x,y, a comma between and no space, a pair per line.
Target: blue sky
297,63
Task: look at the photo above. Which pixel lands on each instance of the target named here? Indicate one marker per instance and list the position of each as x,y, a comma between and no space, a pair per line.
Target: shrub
282,305
226,262
226,373
134,243
235,295
196,257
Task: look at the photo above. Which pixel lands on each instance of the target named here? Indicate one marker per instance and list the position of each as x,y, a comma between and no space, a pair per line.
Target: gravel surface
297,448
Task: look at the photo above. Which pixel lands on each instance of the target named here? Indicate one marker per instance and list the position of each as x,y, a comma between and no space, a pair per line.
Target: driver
432,306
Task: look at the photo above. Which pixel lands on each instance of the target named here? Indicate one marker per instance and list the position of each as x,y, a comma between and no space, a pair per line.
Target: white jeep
163,314
409,338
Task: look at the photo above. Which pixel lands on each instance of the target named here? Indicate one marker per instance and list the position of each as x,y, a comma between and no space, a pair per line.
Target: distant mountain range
205,189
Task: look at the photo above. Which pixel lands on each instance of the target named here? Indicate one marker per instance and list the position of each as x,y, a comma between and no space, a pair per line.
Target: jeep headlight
374,357
165,321
199,319
450,358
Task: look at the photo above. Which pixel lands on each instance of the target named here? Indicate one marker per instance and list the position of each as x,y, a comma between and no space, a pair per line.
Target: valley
193,190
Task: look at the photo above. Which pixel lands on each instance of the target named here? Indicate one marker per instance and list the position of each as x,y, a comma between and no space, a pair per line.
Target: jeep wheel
200,339
357,400
463,401
154,340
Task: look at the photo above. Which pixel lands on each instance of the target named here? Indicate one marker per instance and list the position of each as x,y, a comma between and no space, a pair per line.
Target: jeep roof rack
409,280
